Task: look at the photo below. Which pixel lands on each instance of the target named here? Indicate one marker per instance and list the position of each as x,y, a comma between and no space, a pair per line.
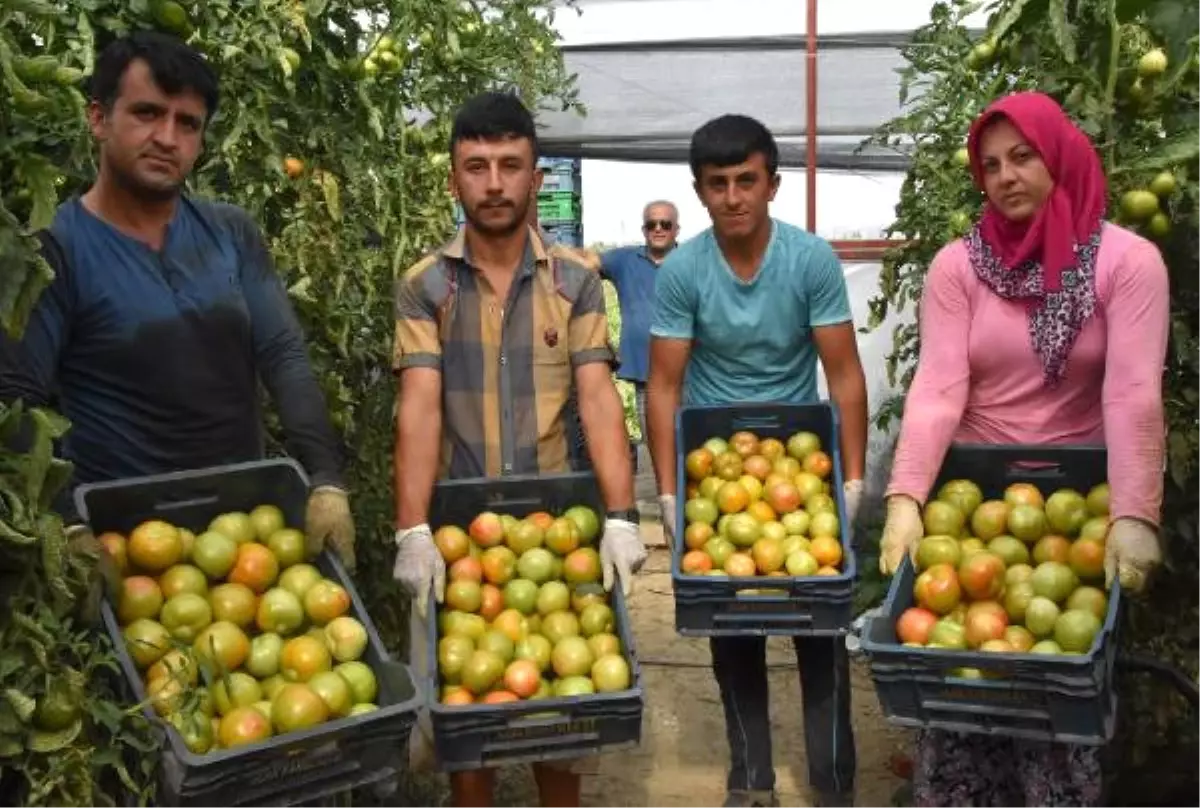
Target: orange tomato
154,546
243,725
235,603
522,677
326,600
302,657
141,598
826,550
459,695
297,706
256,567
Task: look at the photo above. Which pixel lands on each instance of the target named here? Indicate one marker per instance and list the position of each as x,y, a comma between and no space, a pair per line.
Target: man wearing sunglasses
632,271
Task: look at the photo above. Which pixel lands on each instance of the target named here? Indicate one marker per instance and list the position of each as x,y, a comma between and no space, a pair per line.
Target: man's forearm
662,400
415,462
849,393
603,420
304,415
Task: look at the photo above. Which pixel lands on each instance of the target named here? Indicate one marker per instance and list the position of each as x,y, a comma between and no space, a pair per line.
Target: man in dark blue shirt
165,311
632,271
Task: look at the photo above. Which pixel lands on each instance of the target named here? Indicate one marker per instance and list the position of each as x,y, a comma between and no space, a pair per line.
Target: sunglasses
658,224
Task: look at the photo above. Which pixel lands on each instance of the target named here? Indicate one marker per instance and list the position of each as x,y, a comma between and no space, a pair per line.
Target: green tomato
1152,64
1164,184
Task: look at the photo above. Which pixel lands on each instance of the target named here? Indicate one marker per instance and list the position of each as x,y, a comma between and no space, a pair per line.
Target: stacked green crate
560,206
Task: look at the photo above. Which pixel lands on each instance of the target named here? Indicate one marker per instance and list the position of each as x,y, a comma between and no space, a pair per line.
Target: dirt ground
683,756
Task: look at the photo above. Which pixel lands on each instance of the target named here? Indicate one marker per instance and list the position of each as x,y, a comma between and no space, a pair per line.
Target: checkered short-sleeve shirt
507,366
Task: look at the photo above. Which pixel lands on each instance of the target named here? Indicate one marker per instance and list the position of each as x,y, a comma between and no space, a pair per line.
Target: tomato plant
333,132
1126,71
64,738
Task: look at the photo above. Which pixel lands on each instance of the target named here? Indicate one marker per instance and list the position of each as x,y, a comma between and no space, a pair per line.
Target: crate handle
499,752
753,423
1033,469
502,502
192,502
796,618
1009,711
547,718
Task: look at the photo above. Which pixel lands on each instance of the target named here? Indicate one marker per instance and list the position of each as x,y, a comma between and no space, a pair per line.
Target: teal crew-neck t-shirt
751,340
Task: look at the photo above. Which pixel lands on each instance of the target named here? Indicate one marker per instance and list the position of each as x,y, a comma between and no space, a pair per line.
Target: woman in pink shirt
1044,325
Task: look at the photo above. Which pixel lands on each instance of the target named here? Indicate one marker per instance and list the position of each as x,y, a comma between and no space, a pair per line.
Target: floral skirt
978,770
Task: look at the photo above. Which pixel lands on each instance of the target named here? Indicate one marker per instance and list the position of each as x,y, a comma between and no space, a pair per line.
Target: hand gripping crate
1068,699
486,735
727,606
288,769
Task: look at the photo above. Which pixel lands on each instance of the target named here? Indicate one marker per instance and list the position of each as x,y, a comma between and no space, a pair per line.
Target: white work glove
622,553
901,532
852,492
419,565
666,504
1131,553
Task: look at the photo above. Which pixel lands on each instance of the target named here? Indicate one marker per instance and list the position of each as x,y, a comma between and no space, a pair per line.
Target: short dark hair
175,66
732,139
493,116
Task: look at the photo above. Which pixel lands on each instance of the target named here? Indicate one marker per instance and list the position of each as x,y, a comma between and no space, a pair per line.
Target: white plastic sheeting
862,283
644,99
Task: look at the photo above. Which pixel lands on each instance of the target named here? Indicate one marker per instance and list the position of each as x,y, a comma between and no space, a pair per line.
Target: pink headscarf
1074,208
1049,260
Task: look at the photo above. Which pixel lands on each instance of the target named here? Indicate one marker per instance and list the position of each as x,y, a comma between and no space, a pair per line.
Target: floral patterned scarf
1055,318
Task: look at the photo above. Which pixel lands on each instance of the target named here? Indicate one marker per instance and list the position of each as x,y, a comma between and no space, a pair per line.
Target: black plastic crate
727,606
288,769
487,735
1064,698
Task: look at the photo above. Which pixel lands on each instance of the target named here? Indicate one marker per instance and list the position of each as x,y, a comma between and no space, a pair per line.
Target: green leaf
36,8
22,704
10,724
1182,148
40,176
35,282
37,461
315,8
56,425
87,39
329,187
1010,17
11,746
54,547
10,534
1064,32
58,475
47,742
284,64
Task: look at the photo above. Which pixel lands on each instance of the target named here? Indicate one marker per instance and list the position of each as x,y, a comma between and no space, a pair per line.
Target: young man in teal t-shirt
742,314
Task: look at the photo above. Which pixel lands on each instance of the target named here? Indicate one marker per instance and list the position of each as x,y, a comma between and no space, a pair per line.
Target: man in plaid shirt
492,332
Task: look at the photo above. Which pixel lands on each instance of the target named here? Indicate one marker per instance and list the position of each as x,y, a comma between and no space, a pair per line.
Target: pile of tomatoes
237,637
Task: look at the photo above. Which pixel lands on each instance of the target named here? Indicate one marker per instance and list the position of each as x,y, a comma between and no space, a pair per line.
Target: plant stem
1110,89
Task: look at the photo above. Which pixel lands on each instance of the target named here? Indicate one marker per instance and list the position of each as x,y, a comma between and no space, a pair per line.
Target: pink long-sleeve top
978,379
